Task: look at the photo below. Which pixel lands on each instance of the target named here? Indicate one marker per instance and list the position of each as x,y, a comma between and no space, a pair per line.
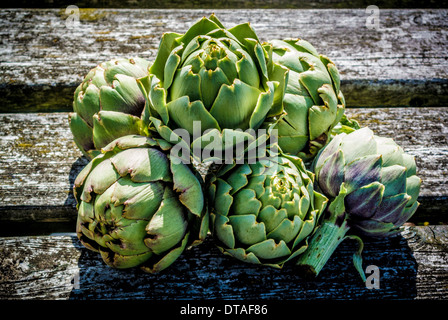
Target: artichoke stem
321,246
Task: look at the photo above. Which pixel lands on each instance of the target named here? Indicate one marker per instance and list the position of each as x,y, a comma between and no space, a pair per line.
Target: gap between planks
413,265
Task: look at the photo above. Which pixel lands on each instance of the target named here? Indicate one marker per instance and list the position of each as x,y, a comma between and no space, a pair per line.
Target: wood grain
401,62
227,4
413,265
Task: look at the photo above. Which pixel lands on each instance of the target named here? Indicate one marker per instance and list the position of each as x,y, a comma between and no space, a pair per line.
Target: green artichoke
137,206
373,189
313,101
214,84
263,213
109,104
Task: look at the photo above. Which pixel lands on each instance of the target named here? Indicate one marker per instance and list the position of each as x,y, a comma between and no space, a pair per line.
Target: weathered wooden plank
39,160
423,133
402,61
227,4
413,265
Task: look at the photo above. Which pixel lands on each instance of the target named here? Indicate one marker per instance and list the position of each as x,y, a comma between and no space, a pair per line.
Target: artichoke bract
313,101
373,189
213,84
109,104
138,207
264,212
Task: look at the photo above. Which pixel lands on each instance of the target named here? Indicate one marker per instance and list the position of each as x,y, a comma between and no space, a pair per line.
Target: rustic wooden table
395,80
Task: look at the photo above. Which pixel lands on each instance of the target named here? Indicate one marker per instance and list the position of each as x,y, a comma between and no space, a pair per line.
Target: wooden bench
394,78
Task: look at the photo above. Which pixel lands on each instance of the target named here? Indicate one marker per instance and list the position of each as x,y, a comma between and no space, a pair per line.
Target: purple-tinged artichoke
138,207
373,189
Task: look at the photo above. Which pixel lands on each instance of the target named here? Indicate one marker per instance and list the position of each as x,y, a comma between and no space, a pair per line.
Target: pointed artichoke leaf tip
337,206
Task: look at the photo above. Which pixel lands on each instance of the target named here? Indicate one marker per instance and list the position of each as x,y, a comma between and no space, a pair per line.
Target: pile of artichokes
319,179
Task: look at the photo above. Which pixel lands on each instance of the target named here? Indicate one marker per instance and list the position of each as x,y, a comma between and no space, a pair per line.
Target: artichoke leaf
413,184
127,241
99,180
238,178
211,82
272,217
391,152
247,70
334,73
392,207
243,99
263,106
82,134
87,103
322,117
407,213
243,32
364,142
308,227
269,249
140,200
108,125
376,228
409,164
394,180
222,199
124,96
186,83
245,202
362,171
303,46
167,44
287,230
247,230
167,259
171,66
332,173
242,255
186,183
142,164
128,142
201,27
224,230
167,226
185,113
363,202
280,75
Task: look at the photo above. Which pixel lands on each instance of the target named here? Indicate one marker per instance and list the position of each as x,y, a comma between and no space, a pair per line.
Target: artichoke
373,189
109,104
137,206
313,101
213,84
264,212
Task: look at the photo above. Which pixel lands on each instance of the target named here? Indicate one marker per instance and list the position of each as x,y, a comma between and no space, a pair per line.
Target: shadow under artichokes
137,206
